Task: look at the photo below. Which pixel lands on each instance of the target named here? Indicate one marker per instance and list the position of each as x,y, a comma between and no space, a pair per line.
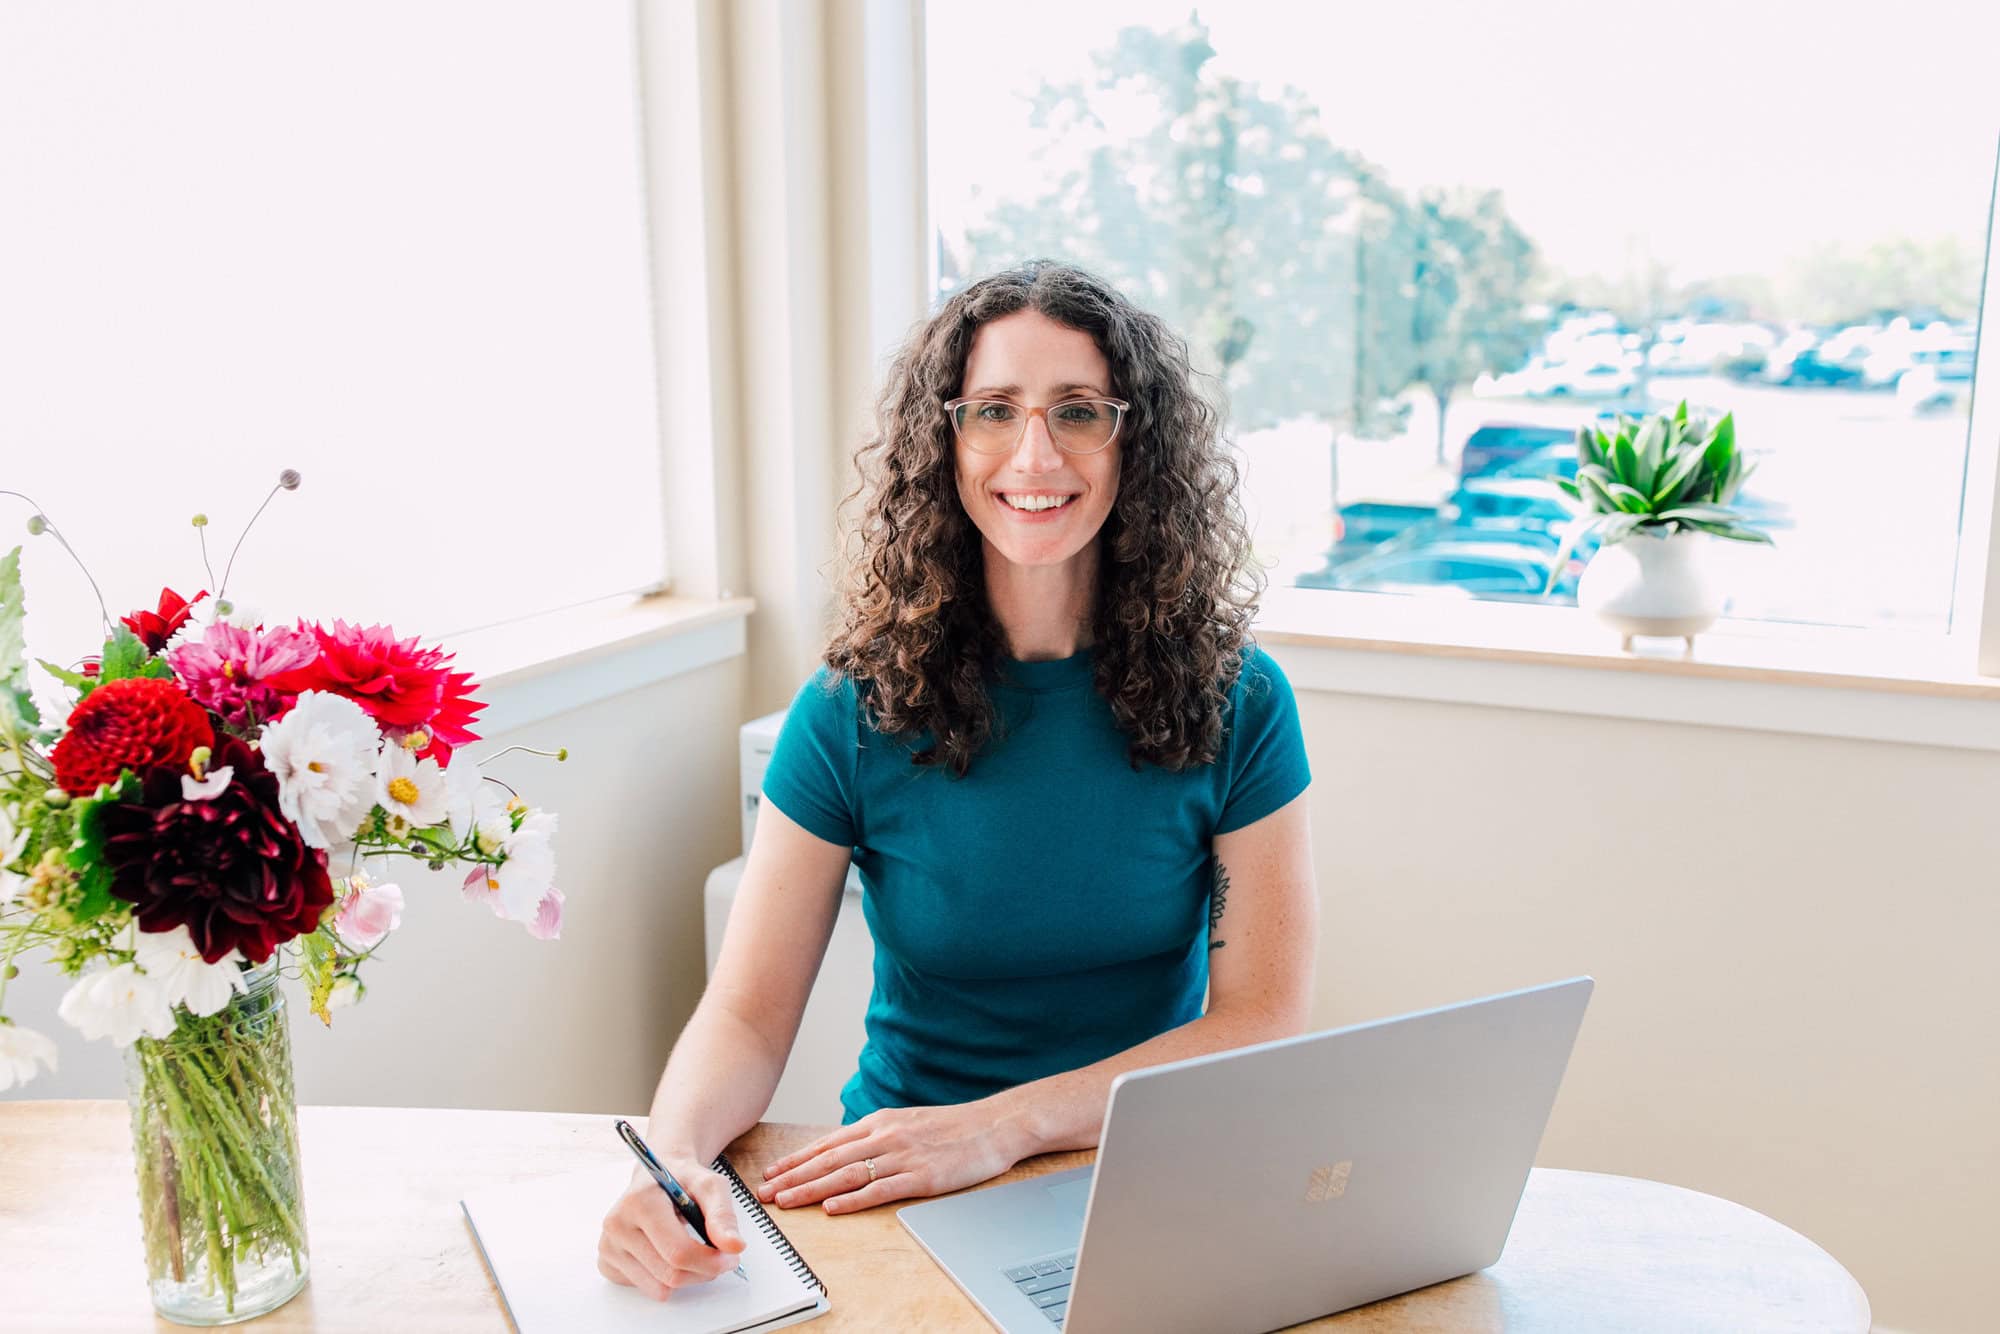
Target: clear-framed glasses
1076,425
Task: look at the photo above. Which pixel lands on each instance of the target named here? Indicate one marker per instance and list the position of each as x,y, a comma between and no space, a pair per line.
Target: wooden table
391,1250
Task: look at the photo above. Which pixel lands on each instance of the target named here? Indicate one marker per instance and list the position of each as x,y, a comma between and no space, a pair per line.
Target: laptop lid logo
1328,1183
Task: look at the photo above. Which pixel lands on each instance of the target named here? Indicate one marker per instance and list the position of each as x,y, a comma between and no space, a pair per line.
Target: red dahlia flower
132,724
155,628
231,868
404,687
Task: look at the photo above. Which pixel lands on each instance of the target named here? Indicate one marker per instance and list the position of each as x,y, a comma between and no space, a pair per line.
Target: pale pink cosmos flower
548,916
226,668
369,913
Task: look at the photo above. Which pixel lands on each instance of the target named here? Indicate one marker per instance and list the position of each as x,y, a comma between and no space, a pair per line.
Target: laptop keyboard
1045,1282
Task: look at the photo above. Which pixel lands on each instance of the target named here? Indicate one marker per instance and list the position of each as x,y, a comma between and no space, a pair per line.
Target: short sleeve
1266,750
812,770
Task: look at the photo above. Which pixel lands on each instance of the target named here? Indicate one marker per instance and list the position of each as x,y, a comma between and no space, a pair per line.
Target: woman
1073,791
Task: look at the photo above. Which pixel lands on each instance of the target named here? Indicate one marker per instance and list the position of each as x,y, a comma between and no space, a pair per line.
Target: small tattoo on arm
1217,901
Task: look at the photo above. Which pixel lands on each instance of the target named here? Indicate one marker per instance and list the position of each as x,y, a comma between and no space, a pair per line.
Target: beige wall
1795,1007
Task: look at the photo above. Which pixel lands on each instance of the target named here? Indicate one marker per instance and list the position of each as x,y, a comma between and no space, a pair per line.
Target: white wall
465,1010
1796,1006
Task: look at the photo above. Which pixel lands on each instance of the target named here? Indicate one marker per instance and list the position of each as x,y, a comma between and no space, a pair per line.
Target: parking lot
1870,489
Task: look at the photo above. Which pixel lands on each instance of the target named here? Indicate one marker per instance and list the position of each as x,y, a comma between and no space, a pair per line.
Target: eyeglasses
1075,425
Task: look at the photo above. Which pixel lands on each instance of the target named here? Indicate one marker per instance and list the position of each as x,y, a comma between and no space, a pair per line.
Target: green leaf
25,711
316,968
75,680
437,836
1677,473
1705,513
1568,488
1596,487
124,656
13,621
86,852
1651,449
1589,447
1725,431
1733,482
1624,460
1681,413
1619,526
1573,534
1628,499
1720,450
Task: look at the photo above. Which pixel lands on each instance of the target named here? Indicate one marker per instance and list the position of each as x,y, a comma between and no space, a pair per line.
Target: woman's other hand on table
917,1151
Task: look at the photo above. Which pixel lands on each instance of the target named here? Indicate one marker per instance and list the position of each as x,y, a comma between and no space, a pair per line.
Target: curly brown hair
1176,584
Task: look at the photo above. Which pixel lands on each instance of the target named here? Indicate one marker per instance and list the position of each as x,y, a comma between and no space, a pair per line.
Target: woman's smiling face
1031,361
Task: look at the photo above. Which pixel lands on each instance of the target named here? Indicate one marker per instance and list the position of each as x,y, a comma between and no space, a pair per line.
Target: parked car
1507,502
1499,443
1809,367
1367,524
1468,564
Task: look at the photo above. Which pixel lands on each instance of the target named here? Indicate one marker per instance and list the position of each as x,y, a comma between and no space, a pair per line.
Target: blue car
1498,563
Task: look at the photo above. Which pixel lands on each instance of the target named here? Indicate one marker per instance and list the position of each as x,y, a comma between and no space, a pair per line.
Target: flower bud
55,797
289,479
201,521
224,607
37,525
562,753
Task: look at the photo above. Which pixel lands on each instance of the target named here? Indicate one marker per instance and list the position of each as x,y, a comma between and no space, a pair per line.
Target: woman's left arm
1263,926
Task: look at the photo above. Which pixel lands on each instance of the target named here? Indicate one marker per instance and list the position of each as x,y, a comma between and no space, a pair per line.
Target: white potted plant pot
1652,583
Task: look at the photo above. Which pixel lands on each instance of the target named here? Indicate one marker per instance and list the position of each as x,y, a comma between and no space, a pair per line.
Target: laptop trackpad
1072,1197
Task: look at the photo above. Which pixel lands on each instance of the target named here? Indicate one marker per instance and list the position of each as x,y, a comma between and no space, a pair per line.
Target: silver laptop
1252,1189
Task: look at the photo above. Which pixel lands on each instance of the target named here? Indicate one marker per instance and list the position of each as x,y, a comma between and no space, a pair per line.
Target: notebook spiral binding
755,1208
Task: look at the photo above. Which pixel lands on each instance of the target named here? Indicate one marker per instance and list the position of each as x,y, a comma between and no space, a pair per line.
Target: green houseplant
1650,489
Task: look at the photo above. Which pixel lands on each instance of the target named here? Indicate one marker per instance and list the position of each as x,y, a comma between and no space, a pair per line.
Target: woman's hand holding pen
914,1151
645,1245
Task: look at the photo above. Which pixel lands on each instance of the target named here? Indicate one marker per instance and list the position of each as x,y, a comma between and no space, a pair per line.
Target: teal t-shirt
1048,909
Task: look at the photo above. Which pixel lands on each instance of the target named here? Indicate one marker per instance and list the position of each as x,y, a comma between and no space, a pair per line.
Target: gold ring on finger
869,1163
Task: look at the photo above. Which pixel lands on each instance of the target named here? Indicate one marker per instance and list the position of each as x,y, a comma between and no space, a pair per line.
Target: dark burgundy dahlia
232,868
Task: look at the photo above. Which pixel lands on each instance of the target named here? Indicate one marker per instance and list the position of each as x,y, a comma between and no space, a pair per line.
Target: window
399,247
1421,244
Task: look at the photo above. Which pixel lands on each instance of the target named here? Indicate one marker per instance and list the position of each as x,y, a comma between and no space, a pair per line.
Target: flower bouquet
195,825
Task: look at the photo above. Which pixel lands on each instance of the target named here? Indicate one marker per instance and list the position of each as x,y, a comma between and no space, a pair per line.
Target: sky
1721,138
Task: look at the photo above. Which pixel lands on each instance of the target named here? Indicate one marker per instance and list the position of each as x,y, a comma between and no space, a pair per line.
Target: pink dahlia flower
235,671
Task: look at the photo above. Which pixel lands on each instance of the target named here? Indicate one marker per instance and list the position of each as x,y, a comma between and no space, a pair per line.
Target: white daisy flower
470,801
119,1003
409,788
529,871
324,753
176,967
20,1050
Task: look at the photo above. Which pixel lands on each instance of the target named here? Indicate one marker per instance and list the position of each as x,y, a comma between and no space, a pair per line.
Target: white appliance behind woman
830,1035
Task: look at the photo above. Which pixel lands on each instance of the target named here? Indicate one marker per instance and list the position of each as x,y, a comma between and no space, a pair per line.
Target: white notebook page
540,1240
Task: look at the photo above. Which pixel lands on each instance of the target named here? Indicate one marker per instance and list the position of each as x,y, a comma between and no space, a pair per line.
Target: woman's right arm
725,1065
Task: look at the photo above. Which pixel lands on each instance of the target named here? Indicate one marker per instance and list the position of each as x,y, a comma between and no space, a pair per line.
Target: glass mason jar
215,1141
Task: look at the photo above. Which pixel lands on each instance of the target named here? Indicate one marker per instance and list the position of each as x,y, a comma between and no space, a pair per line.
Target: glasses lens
1083,426
988,425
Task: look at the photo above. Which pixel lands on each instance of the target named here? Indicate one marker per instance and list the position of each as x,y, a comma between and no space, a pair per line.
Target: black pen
684,1203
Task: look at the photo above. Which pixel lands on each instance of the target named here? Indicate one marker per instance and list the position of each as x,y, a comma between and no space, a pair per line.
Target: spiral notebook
540,1242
